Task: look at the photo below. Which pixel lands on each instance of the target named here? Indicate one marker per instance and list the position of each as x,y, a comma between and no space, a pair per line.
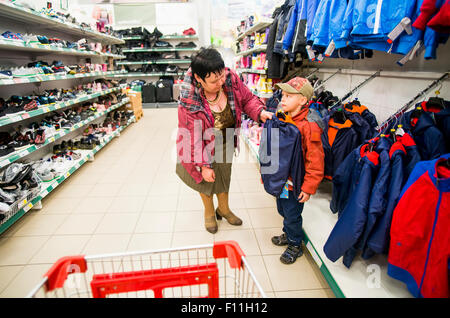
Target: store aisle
130,199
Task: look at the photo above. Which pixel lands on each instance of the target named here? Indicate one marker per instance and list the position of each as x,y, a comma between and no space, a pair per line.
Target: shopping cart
214,270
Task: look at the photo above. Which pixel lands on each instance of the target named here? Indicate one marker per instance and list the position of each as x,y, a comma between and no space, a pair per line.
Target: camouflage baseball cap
297,85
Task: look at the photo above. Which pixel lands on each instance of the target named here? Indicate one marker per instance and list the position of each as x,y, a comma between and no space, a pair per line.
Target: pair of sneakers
291,253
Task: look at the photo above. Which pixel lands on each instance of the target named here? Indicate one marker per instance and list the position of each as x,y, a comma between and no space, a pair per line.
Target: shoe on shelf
189,31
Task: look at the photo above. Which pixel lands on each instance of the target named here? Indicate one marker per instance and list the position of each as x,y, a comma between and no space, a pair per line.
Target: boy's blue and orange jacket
419,252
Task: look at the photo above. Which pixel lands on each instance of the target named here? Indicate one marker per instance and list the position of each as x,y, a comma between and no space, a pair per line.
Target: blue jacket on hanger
378,241
281,156
344,237
311,14
287,9
428,137
299,14
378,197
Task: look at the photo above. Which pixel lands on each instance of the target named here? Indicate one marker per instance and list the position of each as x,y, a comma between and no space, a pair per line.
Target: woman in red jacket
212,100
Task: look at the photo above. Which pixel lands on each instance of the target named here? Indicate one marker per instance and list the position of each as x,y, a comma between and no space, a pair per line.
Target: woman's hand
265,115
303,197
208,174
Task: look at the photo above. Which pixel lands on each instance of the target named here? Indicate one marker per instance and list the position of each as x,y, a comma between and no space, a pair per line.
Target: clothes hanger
436,101
339,115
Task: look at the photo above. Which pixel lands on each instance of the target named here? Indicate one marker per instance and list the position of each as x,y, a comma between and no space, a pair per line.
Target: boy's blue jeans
291,210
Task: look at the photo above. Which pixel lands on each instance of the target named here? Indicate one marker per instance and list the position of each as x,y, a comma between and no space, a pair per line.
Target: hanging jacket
286,11
343,37
378,197
412,153
348,229
378,241
364,112
281,156
442,120
295,36
428,10
374,19
321,34
428,137
338,141
338,9
275,61
194,117
311,15
419,251
363,129
441,21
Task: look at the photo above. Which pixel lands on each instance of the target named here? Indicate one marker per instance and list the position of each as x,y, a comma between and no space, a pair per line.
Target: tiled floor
130,199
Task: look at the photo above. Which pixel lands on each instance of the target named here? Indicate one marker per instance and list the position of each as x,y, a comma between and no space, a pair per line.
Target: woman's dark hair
207,61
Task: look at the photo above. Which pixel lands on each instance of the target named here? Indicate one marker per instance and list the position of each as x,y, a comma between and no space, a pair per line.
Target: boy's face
292,102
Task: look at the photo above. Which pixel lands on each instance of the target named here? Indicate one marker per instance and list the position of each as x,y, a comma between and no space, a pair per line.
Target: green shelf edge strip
54,107
25,152
323,269
44,192
53,77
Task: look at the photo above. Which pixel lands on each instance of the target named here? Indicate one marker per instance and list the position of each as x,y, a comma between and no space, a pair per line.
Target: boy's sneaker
291,254
280,240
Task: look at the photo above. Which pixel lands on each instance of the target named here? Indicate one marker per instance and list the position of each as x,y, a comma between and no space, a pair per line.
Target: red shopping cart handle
230,250
57,274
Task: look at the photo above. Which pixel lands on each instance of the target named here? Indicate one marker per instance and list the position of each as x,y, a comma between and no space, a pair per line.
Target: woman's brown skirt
221,169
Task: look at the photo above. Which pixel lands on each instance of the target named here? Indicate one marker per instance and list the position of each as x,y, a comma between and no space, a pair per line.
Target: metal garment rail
367,80
408,105
325,80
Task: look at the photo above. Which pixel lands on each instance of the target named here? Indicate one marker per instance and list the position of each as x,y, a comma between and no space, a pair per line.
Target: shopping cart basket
214,270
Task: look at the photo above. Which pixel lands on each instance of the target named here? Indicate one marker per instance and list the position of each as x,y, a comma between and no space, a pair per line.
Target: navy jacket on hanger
428,137
277,168
346,234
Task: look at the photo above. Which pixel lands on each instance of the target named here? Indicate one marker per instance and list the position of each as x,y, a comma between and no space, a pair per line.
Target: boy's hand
208,174
265,115
303,197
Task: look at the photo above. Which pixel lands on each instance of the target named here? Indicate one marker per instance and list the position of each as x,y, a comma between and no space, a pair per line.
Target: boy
295,101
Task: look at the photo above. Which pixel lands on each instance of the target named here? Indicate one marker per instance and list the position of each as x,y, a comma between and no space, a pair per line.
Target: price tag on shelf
24,202
25,116
52,139
67,174
23,153
46,109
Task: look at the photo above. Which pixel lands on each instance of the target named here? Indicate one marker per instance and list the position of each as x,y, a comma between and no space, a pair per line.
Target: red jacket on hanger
439,22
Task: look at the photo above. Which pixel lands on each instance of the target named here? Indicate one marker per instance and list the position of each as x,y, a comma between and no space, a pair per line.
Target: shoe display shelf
161,61
23,46
249,70
259,25
28,203
164,37
5,161
17,117
55,77
365,278
260,48
146,74
161,49
29,17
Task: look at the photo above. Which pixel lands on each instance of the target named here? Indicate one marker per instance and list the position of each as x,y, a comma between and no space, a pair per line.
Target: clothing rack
408,105
311,74
325,80
367,80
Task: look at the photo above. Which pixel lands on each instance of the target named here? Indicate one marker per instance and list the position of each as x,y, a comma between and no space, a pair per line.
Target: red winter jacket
439,22
194,117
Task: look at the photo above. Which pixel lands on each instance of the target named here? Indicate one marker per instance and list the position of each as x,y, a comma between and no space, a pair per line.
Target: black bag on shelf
149,93
163,91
